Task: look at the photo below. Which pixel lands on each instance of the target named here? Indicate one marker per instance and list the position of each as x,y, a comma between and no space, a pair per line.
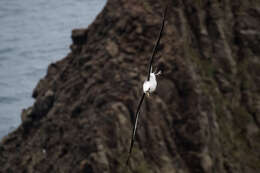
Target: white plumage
150,86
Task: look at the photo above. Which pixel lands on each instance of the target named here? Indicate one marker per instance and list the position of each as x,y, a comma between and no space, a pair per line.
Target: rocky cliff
204,116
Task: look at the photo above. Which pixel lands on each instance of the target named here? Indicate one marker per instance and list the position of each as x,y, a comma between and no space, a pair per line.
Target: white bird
149,86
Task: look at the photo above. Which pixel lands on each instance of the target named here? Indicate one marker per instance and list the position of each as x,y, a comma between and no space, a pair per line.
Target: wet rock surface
204,116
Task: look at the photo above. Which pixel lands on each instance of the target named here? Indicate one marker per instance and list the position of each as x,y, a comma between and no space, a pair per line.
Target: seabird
149,86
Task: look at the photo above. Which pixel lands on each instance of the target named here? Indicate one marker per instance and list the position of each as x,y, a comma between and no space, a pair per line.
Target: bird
149,86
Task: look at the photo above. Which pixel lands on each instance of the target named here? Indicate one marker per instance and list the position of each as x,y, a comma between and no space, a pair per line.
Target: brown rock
79,36
203,118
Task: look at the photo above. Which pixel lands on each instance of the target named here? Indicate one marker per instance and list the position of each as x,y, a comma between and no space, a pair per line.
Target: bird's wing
156,45
135,127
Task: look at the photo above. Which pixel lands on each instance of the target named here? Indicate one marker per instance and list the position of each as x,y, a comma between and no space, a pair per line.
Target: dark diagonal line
135,127
156,45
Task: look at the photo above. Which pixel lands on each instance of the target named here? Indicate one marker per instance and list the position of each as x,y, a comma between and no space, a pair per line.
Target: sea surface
33,34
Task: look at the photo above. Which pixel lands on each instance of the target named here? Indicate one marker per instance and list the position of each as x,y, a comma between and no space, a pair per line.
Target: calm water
33,34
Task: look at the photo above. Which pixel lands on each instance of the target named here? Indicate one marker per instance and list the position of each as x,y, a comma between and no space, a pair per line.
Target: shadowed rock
203,118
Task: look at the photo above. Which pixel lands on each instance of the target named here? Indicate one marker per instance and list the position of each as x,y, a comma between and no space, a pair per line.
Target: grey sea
34,33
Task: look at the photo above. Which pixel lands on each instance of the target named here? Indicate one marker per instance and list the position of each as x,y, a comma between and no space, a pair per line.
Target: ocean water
33,34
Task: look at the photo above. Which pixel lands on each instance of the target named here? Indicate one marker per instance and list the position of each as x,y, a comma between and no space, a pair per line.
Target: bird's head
147,93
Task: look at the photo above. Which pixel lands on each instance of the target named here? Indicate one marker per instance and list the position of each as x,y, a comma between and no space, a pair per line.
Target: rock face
204,117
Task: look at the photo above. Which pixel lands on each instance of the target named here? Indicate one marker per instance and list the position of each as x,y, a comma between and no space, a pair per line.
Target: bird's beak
148,94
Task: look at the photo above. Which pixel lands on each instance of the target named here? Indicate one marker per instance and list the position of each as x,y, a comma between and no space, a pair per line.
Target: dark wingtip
130,151
157,43
127,161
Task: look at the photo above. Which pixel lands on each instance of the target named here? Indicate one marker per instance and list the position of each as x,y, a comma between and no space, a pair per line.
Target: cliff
204,116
